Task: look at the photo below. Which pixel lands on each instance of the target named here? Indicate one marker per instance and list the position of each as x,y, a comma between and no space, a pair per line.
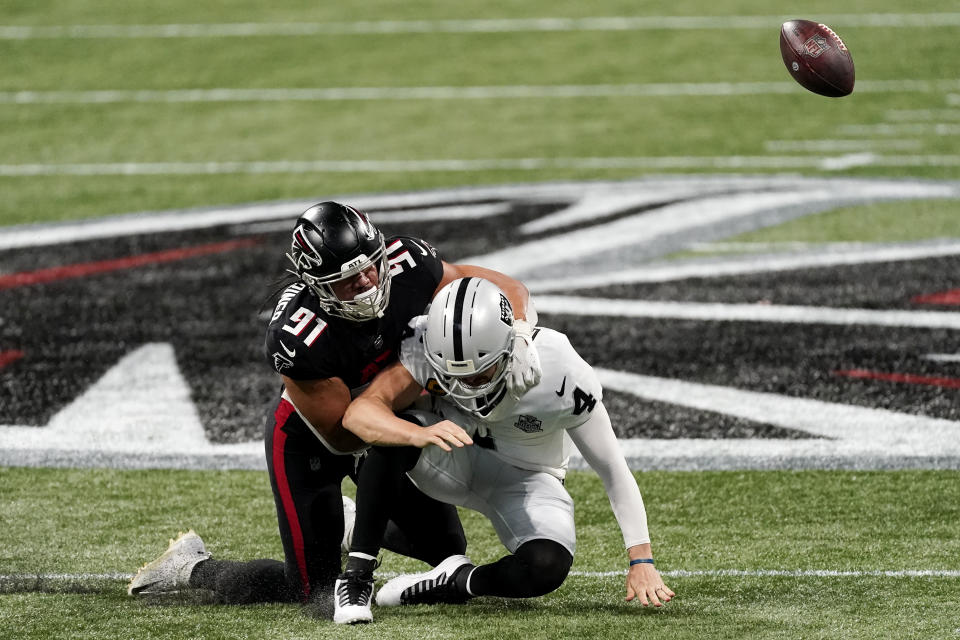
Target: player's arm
598,444
371,415
516,292
323,402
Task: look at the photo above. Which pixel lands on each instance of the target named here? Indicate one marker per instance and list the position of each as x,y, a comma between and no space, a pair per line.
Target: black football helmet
334,242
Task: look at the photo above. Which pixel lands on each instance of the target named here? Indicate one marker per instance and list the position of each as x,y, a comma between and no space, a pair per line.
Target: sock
461,579
378,490
243,582
361,562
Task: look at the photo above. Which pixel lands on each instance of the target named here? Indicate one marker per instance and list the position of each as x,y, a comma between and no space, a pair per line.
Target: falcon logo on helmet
468,343
333,243
308,256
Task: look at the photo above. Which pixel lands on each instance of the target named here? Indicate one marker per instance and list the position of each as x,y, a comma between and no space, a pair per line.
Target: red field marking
81,269
951,297
906,378
7,357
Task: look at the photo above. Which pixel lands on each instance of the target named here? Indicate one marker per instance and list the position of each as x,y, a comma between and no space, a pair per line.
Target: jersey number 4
582,401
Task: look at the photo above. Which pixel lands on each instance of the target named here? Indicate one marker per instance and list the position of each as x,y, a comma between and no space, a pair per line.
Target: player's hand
645,584
525,368
443,434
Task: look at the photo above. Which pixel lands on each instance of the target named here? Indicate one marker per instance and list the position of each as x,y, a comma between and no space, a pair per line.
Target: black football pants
306,478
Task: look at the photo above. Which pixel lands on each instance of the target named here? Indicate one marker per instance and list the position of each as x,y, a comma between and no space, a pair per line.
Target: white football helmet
468,342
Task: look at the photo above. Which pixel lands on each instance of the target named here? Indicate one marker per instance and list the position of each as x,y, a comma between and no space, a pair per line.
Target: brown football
816,58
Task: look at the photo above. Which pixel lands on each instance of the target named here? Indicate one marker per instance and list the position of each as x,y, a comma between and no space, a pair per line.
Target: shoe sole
361,618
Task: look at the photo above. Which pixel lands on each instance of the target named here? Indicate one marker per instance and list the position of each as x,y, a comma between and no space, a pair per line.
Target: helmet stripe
458,319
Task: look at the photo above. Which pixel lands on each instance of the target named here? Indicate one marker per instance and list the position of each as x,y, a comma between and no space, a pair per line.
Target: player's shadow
494,608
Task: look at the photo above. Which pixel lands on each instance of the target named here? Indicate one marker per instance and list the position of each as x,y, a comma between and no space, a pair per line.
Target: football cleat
171,571
349,518
352,593
431,587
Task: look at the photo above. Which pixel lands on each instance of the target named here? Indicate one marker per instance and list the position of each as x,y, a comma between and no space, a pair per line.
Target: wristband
641,561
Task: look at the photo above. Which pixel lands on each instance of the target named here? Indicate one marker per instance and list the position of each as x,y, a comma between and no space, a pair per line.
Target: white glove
525,369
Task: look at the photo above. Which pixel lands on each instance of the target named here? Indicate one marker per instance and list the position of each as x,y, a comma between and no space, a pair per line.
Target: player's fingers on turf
664,593
654,600
641,595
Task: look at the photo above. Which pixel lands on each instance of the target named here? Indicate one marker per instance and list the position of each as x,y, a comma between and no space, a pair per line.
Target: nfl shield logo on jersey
528,424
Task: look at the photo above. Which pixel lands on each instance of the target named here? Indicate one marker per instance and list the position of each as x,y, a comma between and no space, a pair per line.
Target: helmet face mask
469,341
332,244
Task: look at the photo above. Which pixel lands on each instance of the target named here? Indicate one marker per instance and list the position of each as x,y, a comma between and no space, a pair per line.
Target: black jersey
305,343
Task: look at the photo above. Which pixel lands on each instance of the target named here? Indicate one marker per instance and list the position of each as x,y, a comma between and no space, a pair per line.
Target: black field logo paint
138,341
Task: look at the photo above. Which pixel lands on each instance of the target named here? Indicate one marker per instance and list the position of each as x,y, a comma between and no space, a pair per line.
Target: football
816,58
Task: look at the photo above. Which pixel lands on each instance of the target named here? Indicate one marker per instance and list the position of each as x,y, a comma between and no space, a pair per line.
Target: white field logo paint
140,412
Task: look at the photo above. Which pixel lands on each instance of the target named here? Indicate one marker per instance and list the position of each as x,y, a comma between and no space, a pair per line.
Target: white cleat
171,571
352,593
431,587
349,518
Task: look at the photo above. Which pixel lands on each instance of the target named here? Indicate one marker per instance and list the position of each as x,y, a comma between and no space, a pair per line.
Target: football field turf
109,109
811,554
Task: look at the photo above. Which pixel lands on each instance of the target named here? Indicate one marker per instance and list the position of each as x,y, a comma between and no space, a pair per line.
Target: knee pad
547,562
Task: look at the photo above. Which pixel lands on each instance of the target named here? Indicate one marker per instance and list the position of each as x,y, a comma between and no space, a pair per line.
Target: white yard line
504,25
842,145
824,163
671,573
723,312
775,247
484,92
922,115
788,573
943,357
73,578
899,129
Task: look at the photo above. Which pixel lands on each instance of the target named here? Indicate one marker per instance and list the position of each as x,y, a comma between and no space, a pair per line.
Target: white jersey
532,433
